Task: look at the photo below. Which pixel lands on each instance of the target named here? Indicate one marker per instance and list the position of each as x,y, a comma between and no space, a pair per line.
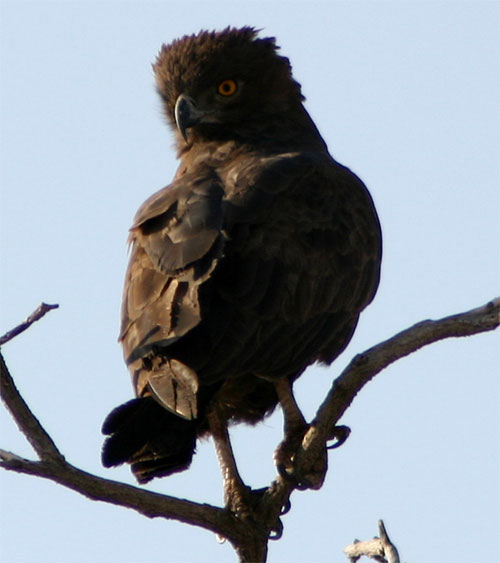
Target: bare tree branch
248,536
145,502
35,316
54,467
27,422
380,549
366,365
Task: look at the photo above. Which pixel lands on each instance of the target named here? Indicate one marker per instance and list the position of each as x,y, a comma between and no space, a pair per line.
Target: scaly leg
236,493
240,499
294,428
293,418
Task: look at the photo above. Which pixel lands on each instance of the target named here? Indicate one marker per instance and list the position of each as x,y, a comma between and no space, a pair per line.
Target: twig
35,316
379,549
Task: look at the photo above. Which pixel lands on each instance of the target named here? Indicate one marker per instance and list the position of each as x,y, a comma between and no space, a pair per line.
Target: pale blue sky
407,94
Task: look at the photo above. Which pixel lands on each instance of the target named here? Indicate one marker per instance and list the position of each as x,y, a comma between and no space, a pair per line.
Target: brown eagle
254,263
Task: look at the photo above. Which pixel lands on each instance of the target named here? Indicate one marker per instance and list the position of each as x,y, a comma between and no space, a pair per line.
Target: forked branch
54,467
250,540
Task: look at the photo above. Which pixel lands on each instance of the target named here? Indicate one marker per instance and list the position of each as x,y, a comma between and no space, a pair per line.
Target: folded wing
176,240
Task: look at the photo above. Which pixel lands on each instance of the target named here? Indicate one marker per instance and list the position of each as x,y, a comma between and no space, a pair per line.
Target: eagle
252,264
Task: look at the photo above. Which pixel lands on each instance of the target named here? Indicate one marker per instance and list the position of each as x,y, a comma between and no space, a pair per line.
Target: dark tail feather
153,440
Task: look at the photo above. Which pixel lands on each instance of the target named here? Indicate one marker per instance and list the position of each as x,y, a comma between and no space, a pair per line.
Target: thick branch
365,366
148,503
54,467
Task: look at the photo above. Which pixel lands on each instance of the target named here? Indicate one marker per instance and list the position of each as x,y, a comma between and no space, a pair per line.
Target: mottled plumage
254,263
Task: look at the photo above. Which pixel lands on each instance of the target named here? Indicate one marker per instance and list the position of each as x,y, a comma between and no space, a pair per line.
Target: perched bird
254,263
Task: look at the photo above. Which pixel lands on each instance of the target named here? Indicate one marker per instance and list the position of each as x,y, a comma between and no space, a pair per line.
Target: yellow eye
227,88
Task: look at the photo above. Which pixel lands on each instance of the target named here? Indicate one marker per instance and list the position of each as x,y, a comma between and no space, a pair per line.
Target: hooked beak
186,114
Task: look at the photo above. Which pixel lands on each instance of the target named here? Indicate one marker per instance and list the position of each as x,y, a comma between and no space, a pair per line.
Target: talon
284,473
277,533
293,475
285,509
339,433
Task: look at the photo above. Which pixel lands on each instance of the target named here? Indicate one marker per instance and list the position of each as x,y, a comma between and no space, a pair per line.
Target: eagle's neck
274,135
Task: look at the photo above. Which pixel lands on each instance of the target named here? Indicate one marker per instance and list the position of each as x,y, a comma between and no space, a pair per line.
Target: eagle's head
220,85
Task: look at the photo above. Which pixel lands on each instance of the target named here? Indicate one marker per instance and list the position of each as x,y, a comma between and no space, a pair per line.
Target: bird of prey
254,263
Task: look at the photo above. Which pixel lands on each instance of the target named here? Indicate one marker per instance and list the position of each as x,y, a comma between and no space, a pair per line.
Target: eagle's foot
312,475
239,499
285,454
260,494
303,475
295,428
306,474
246,503
242,501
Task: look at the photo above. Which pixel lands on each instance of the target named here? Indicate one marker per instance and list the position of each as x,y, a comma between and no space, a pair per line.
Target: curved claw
300,482
285,509
282,472
339,433
278,532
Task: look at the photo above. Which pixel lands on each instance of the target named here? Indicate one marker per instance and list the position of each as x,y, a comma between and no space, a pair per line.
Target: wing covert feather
176,241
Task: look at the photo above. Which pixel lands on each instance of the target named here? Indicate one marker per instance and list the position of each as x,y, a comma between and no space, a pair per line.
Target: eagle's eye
227,88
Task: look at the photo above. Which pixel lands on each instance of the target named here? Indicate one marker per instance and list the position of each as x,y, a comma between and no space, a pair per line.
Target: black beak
186,114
